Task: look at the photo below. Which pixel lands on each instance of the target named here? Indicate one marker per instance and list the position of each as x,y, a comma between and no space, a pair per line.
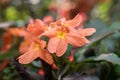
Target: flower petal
36,28
86,40
49,33
48,19
62,47
42,44
52,44
29,56
87,31
44,55
40,23
7,41
76,21
24,46
75,39
18,31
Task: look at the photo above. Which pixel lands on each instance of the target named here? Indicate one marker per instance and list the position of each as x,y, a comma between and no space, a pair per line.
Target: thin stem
21,71
48,71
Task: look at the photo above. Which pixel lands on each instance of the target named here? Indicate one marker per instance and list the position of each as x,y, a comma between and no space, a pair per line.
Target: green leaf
103,46
111,57
117,70
115,25
8,54
99,25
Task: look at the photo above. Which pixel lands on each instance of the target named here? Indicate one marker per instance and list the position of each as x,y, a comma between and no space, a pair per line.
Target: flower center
61,34
37,46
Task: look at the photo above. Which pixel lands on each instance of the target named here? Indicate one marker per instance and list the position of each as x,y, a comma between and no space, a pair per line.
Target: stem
48,71
63,72
21,71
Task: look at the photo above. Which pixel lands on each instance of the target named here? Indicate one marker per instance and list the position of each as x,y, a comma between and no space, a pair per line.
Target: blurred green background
104,15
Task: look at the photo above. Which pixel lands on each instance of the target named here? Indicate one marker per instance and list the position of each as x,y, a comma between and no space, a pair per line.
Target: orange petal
7,41
52,44
75,39
50,33
34,29
40,23
44,55
61,21
24,46
29,56
86,40
42,44
7,38
87,31
48,19
76,21
37,28
62,47
18,31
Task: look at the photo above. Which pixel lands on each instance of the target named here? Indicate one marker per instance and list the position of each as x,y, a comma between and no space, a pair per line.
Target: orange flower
58,41
36,27
36,50
48,19
7,37
60,33
7,41
65,33
20,32
28,38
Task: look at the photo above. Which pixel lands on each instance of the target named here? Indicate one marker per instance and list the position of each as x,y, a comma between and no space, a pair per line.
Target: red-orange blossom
60,34
64,33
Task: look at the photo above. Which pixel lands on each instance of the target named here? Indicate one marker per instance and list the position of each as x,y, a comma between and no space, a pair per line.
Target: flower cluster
60,33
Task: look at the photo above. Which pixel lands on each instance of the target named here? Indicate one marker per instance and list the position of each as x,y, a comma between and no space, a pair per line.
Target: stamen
61,34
